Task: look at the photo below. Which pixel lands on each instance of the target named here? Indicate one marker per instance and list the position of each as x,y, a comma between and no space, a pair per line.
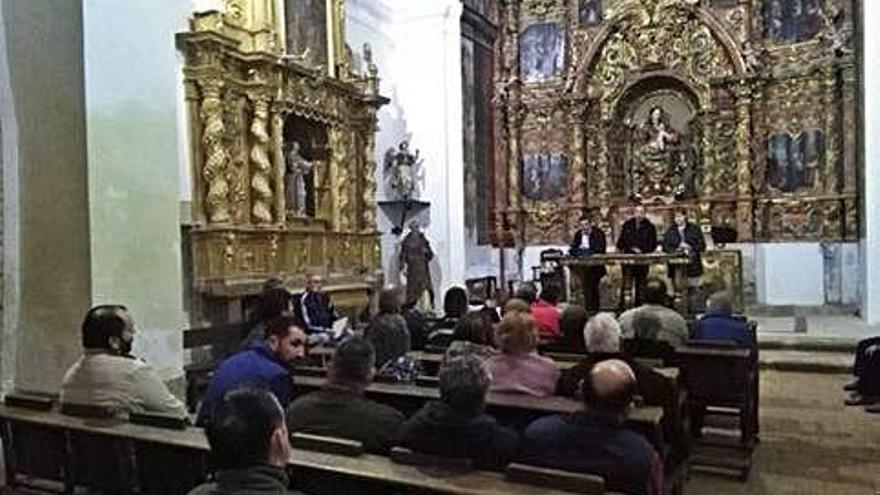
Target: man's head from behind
285,338
353,363
655,291
108,327
610,387
720,303
247,429
464,382
272,303
602,334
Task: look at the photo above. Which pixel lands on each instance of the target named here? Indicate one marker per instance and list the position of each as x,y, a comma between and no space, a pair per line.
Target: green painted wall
133,116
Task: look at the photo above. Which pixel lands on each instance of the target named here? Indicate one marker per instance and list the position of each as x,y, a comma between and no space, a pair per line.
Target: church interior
440,246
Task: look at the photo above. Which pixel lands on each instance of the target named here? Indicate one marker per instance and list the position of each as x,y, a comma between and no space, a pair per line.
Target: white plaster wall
790,273
136,158
870,246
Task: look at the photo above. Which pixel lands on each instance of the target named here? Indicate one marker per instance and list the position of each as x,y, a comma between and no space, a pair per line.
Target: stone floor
810,442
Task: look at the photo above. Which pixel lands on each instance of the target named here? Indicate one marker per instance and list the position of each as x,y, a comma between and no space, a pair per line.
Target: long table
363,472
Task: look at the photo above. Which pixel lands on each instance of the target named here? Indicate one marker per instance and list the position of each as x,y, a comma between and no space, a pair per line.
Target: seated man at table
316,310
670,326
264,364
340,409
107,375
596,441
249,445
601,337
587,241
719,323
455,426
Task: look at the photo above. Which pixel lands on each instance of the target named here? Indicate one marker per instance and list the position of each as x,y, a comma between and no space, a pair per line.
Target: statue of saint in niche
295,180
415,254
403,167
663,159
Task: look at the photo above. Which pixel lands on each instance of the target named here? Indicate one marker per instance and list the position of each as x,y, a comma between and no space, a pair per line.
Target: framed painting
541,52
544,176
308,26
789,21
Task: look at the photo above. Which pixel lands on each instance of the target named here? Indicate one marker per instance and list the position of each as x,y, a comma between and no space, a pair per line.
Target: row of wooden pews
48,450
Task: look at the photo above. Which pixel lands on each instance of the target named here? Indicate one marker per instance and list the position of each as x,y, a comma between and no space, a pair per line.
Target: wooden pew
329,473
511,409
208,346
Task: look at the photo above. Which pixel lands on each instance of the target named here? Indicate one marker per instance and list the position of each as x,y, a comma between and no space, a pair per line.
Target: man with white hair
602,340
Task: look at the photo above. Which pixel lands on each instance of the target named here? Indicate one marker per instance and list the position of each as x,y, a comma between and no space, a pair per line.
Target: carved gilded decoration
242,94
759,116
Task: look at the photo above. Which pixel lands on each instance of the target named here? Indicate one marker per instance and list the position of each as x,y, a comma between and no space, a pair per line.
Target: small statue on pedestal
415,253
404,170
295,179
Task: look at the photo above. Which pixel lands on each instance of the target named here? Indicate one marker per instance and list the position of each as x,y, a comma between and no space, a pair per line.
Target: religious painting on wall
792,20
590,12
794,163
306,23
544,176
541,52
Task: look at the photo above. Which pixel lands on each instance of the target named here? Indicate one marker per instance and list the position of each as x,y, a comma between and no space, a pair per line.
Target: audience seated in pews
670,326
601,336
519,368
340,409
316,310
107,375
516,305
596,441
455,307
475,327
547,314
249,445
527,292
417,324
719,323
264,364
455,426
866,368
388,331
571,324
273,302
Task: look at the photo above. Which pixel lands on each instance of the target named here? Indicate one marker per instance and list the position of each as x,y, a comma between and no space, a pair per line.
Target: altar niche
659,155
305,158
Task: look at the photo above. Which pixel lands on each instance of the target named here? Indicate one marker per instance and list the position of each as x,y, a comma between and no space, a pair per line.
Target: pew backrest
587,484
329,445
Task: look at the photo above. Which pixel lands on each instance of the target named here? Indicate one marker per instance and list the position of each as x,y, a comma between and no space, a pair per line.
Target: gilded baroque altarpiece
743,112
257,111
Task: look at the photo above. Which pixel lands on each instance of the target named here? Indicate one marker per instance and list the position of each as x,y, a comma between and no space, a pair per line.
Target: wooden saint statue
415,253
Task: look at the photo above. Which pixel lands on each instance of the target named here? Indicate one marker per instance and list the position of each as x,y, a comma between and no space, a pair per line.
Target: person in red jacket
546,314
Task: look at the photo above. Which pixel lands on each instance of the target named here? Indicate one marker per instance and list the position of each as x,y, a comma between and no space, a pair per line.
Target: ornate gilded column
743,139
368,217
216,167
280,167
261,166
577,193
833,156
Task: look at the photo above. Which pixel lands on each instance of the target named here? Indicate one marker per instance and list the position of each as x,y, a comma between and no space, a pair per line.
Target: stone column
870,245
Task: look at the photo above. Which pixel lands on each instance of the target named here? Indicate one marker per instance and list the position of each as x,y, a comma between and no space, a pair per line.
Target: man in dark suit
587,241
637,236
685,236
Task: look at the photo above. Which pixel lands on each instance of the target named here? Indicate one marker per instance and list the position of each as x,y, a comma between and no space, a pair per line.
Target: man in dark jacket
456,426
637,236
587,241
264,364
686,237
315,308
340,409
249,445
596,441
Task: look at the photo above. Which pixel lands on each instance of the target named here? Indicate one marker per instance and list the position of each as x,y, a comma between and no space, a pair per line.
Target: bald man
596,441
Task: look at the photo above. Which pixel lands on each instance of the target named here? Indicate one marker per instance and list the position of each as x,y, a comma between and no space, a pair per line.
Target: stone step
762,310
810,361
